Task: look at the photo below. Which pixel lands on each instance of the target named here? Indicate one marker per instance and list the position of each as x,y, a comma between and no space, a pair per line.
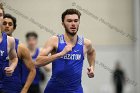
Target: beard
71,33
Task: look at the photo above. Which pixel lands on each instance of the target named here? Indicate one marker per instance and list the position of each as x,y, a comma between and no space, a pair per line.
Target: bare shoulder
22,50
87,42
11,40
52,41
88,46
22,47
53,38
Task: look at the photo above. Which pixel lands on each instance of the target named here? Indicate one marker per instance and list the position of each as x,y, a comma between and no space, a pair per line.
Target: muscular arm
24,54
43,58
90,54
90,57
13,60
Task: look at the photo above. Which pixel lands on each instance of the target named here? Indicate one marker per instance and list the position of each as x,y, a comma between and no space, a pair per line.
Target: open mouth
73,28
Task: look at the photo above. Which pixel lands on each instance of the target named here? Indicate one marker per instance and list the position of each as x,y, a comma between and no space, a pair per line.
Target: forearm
13,62
44,60
91,59
91,62
30,79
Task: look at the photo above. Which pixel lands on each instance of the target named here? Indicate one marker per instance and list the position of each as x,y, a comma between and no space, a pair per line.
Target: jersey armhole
58,42
83,47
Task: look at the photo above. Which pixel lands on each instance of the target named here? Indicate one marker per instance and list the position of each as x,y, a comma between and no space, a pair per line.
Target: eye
4,23
10,23
69,20
76,20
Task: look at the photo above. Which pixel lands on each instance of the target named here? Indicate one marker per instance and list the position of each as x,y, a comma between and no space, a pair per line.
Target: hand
67,49
90,72
9,71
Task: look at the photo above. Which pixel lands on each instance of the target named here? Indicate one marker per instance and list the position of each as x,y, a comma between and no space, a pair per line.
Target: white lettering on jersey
1,53
72,56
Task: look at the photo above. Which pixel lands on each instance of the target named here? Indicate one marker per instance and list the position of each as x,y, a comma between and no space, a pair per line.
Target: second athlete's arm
24,54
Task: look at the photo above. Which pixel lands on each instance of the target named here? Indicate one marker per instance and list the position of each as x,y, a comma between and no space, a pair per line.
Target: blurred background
111,25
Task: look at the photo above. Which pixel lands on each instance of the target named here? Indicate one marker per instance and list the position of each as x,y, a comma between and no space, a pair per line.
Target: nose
73,23
7,26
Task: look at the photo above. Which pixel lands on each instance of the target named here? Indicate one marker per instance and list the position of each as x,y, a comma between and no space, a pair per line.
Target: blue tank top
67,70
13,82
25,71
3,56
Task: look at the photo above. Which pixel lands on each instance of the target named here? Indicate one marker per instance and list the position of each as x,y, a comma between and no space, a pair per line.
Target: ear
62,23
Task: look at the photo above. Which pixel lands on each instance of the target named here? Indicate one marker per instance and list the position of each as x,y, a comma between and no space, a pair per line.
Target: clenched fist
9,71
67,49
90,72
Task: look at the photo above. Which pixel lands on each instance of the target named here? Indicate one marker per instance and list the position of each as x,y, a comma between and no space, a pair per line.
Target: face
31,42
1,17
8,26
71,24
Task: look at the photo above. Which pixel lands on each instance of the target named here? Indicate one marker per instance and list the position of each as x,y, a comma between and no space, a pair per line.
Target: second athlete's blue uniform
12,84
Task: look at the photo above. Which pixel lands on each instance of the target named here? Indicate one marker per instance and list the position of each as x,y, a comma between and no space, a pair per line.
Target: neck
31,49
10,35
70,38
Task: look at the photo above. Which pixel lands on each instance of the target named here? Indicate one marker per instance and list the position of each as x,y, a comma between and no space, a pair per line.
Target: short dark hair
12,18
1,7
31,34
70,12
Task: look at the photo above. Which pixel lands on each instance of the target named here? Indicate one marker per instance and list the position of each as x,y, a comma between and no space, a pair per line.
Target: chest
84,49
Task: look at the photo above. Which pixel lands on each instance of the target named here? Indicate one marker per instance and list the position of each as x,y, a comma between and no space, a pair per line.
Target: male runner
32,40
7,50
13,84
68,51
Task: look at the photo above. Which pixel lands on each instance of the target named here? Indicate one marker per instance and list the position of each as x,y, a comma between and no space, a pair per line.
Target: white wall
117,13
107,57
137,44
